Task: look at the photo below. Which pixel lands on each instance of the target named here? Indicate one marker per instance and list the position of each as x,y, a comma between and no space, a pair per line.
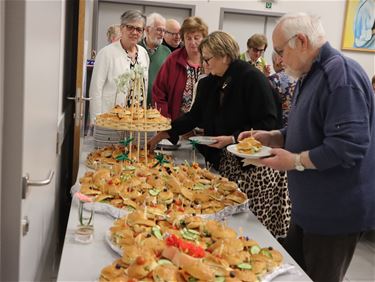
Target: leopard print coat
267,190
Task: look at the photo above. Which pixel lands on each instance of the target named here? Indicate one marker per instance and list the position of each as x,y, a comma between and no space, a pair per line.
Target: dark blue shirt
332,117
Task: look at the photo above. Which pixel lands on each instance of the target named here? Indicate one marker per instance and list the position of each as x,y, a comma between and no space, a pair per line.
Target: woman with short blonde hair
221,44
113,33
173,88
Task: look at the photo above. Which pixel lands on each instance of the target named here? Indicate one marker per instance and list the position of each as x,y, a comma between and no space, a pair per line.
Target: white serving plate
262,153
203,140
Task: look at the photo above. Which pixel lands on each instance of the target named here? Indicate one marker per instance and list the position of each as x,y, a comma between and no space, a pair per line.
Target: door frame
143,3
11,166
247,12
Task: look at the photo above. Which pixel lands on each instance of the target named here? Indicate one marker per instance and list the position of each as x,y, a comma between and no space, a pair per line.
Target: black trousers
324,258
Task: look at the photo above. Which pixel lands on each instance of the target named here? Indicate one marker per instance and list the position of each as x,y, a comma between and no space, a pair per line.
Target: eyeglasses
172,33
207,60
280,51
256,50
132,28
159,29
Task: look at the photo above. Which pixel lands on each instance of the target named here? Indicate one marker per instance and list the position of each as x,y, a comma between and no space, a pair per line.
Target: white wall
89,13
2,3
331,12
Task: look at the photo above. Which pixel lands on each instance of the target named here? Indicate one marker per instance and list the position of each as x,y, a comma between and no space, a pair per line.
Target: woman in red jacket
172,92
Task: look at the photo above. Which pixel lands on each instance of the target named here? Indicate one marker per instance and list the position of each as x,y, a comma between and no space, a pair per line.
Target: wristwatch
298,164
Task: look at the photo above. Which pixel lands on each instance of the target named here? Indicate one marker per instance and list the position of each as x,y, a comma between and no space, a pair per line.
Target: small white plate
166,144
203,140
262,153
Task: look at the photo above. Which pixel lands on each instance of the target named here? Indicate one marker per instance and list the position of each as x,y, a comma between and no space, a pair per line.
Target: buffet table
83,262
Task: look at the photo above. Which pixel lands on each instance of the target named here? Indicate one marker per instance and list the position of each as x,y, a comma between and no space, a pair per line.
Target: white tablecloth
80,262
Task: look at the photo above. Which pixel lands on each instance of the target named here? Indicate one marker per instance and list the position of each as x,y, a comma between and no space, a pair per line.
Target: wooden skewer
145,148
130,144
138,144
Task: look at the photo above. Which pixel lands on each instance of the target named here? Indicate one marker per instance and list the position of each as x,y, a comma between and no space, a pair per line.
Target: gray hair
131,16
310,25
153,17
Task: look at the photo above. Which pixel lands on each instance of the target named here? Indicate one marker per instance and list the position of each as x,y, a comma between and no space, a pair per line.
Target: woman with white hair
116,59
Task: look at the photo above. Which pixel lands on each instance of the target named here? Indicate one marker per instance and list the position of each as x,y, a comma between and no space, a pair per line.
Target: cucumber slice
254,250
193,231
164,261
156,231
129,167
124,177
245,266
266,253
188,235
130,208
200,186
153,192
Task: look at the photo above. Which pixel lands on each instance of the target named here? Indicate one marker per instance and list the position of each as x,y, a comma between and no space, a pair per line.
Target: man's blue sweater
332,117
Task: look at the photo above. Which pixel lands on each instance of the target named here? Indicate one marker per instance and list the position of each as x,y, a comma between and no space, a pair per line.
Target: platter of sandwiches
111,155
184,248
164,189
249,148
133,119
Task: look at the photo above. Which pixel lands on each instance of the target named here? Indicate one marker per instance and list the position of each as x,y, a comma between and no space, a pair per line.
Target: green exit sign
268,5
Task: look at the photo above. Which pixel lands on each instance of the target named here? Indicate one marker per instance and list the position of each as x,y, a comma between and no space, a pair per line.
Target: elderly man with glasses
328,149
152,42
172,37
256,46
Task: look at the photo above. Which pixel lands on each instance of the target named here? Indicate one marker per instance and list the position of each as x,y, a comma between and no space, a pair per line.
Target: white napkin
254,162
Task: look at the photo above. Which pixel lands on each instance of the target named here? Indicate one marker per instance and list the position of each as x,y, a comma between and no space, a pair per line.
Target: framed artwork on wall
359,26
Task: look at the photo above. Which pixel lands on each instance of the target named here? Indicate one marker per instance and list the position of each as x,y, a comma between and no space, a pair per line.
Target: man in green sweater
155,30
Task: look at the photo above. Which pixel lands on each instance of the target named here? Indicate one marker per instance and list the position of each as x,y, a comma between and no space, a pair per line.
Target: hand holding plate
156,139
280,159
221,141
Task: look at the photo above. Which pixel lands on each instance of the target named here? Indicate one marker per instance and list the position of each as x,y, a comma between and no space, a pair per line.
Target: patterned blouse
284,86
192,73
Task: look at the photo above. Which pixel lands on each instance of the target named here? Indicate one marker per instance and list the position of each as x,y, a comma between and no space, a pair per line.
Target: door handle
79,98
79,102
26,182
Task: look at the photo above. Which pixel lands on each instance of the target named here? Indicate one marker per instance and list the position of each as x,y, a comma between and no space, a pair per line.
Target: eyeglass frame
132,28
207,60
172,33
159,29
280,52
256,50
